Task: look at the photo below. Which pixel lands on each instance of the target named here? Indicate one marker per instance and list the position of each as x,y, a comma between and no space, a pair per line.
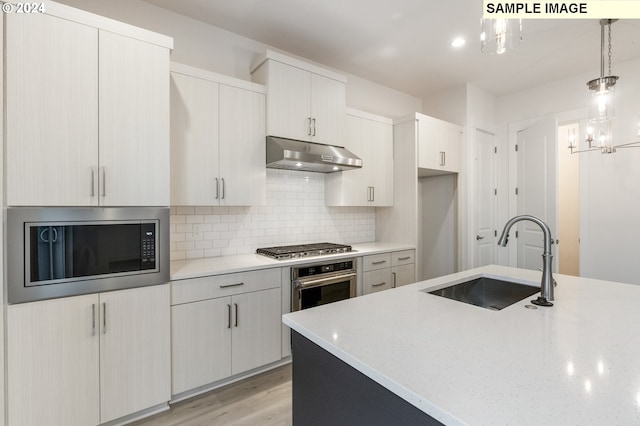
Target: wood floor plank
263,400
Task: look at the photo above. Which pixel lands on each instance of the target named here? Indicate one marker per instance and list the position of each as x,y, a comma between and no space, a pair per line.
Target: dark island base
327,391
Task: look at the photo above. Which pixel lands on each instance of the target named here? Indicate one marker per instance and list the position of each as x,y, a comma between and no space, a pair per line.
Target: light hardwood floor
263,400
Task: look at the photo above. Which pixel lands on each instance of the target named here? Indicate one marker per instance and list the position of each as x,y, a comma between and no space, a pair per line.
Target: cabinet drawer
377,280
403,257
376,261
194,289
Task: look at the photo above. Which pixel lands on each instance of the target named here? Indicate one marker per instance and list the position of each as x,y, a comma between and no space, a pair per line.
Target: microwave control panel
148,242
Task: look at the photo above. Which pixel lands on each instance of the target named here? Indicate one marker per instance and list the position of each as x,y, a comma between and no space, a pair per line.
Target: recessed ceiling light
458,41
298,164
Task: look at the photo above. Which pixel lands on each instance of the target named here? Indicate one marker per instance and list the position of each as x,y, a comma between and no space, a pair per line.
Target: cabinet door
288,102
328,104
52,362
403,275
194,142
256,329
378,280
351,188
380,167
135,366
438,147
134,122
242,147
200,343
51,111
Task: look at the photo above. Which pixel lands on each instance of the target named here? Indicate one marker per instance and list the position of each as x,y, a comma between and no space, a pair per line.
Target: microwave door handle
51,250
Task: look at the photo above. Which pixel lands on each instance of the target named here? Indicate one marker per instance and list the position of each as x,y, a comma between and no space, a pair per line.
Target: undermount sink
489,293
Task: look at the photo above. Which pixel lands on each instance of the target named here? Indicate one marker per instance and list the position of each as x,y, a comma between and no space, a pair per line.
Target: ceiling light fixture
599,132
500,35
458,42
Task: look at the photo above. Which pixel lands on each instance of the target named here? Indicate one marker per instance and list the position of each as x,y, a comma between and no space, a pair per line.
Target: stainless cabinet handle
380,262
235,305
222,197
228,316
104,318
442,158
404,258
93,319
314,127
217,189
309,122
93,181
394,280
378,285
231,285
104,181
373,193
478,237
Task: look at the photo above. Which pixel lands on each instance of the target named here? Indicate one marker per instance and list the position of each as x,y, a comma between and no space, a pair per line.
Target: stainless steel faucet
547,284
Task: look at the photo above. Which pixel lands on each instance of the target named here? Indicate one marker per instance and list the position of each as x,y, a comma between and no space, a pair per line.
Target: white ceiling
404,44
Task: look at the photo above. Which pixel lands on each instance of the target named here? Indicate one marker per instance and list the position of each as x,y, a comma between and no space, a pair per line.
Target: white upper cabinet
87,111
438,146
134,122
51,111
304,101
217,139
370,137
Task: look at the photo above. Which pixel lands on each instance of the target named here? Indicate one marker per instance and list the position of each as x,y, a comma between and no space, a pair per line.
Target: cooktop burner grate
303,250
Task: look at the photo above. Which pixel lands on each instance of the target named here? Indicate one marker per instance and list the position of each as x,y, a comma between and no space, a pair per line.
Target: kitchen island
576,363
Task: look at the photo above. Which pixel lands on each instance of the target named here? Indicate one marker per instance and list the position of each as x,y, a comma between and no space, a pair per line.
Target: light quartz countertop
194,268
576,363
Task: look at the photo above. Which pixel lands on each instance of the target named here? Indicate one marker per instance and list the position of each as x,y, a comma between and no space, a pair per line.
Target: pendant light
500,35
599,131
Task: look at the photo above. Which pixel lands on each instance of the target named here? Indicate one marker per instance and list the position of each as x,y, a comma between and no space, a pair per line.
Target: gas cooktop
303,250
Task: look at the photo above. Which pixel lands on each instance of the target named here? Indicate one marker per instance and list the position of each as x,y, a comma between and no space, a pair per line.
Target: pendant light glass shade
500,35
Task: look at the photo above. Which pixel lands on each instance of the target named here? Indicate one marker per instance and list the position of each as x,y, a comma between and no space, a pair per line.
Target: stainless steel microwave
59,251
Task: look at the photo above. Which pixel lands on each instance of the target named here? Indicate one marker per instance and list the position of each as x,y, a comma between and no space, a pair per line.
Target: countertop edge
210,266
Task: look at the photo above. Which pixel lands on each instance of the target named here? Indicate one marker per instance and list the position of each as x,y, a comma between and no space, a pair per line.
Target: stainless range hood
312,157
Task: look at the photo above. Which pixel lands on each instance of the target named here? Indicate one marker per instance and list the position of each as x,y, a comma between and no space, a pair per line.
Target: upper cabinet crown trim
298,63
368,116
217,78
419,116
87,18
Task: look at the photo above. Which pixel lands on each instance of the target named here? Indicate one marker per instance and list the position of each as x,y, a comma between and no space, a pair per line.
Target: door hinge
516,191
495,232
495,191
516,234
495,149
516,147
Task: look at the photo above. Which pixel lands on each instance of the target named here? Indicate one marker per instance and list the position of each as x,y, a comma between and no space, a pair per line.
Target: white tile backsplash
294,214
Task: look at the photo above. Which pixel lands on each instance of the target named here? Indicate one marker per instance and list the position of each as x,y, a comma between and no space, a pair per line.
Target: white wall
609,187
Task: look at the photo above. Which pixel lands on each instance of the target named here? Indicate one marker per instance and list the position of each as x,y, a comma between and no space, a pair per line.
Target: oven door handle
320,281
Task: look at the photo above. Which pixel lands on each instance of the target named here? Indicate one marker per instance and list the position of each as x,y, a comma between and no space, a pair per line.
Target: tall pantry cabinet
86,124
87,111
424,212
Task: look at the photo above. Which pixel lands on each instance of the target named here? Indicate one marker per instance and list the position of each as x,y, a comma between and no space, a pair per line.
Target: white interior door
536,189
485,199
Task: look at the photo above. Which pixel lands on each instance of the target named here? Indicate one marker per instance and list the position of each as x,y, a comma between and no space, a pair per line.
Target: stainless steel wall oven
321,283
56,251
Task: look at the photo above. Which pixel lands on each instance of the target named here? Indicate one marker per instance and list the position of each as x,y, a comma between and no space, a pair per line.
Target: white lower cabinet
87,360
403,267
224,325
387,270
